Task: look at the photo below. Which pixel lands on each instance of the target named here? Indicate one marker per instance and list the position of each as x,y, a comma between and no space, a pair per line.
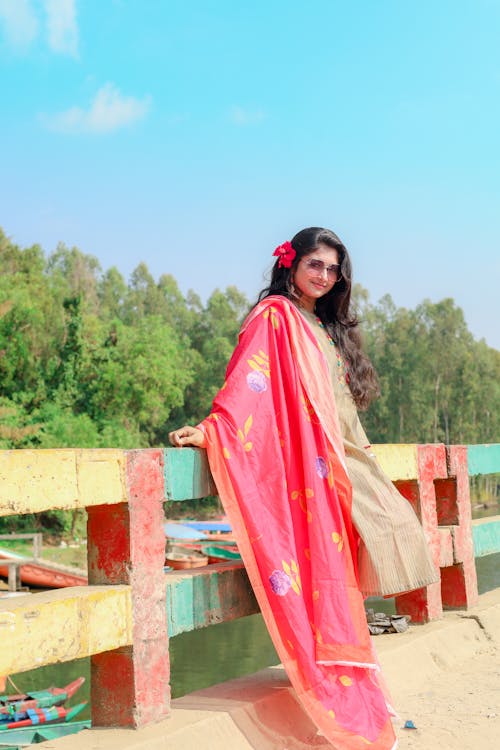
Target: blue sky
196,136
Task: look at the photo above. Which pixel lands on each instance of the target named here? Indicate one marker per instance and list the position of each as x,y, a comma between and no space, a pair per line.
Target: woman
318,524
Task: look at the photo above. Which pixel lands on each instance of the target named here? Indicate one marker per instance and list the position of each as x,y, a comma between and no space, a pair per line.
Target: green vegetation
89,360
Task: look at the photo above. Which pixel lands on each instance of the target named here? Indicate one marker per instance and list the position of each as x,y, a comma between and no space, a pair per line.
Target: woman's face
316,275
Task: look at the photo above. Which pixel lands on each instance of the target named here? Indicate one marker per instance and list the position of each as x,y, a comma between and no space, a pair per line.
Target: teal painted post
187,474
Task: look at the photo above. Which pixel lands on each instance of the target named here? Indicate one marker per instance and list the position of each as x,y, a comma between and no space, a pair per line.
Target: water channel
217,653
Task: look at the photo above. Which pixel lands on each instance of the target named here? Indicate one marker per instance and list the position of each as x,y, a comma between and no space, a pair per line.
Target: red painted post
459,580
425,604
126,545
442,498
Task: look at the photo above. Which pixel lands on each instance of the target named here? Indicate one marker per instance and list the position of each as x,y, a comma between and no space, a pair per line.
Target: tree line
88,359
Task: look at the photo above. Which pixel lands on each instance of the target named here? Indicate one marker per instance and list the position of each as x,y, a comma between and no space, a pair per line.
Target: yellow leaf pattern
271,313
260,362
317,635
308,409
337,539
248,425
293,573
330,477
242,434
301,496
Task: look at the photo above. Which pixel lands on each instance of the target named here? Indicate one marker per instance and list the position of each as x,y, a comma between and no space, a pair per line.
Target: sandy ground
457,709
445,678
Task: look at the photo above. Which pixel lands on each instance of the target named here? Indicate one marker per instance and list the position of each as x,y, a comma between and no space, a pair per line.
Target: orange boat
43,573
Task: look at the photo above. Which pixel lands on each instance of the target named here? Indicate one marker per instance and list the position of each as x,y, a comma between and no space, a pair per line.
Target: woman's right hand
187,435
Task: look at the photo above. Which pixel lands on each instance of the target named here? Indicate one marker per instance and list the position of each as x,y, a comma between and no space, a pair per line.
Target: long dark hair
334,309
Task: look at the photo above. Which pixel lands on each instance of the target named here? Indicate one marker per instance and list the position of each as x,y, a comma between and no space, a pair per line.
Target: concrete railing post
459,580
441,498
126,545
425,604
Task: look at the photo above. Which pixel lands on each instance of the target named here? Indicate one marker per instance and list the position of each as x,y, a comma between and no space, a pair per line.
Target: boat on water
37,716
193,544
42,573
11,705
12,739
182,558
218,554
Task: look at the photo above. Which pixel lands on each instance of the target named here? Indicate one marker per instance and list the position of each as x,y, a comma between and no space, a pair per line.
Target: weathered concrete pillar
459,580
126,545
441,499
425,604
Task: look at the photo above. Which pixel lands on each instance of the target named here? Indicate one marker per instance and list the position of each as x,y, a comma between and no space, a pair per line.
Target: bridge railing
124,617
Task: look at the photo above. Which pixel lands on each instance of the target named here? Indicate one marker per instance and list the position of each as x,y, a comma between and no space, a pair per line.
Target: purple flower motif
280,582
256,381
321,467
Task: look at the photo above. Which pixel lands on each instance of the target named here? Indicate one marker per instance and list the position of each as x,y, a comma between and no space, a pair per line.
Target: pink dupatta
276,455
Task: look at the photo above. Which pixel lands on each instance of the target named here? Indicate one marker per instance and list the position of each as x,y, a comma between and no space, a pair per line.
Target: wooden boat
179,557
43,573
36,716
12,739
53,696
221,554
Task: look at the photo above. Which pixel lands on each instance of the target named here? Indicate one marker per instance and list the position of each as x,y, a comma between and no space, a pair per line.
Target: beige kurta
394,555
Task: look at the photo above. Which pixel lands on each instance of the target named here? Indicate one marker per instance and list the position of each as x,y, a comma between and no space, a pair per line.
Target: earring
291,289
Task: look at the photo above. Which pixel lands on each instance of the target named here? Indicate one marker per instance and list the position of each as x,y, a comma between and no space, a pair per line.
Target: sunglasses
318,267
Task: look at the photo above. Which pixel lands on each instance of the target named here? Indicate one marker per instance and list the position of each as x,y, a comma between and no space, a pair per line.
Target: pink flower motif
286,254
256,381
280,582
321,467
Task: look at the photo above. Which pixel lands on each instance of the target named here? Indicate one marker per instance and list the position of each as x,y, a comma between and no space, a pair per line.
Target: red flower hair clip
286,254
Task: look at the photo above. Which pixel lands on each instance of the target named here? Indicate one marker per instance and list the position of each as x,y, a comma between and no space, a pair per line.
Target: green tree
213,336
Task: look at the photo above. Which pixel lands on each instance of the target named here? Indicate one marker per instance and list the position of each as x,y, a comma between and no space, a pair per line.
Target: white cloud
61,26
108,111
242,116
20,21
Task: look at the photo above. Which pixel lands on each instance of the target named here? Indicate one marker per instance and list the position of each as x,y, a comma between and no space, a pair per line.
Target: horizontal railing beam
72,623
483,459
62,625
32,481
206,596
486,536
